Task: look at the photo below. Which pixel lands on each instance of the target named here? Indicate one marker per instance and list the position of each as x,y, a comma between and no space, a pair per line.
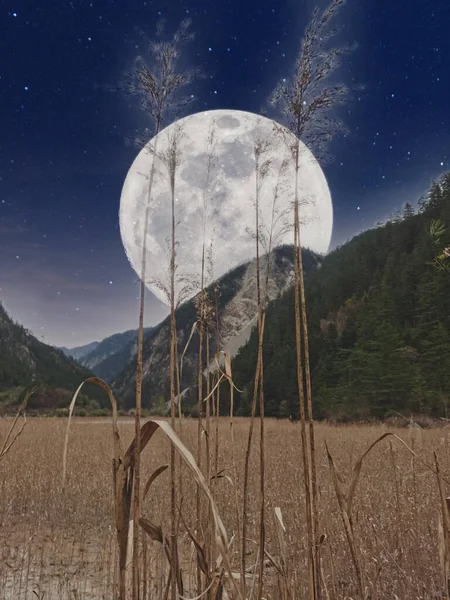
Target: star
358,208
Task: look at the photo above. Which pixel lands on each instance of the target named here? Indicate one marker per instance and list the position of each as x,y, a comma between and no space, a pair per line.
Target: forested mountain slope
26,362
379,322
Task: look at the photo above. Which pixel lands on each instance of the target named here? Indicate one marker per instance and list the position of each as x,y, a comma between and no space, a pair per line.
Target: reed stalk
157,91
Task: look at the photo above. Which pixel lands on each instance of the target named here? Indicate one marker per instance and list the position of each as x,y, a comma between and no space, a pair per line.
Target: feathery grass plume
13,433
158,89
306,102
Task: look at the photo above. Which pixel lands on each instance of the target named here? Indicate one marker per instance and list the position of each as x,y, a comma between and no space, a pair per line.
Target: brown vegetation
61,543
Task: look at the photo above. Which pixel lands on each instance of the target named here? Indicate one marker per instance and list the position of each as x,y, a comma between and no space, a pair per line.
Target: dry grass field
60,543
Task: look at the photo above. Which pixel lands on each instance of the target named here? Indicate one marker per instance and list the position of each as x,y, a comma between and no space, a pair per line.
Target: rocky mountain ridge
237,302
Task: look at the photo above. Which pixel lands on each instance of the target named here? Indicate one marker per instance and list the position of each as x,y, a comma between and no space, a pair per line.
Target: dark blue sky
63,157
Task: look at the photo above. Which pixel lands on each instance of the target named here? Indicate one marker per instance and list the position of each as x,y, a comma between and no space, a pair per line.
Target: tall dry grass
56,540
158,89
308,103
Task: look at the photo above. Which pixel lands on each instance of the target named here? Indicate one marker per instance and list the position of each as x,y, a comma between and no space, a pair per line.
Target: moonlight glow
230,195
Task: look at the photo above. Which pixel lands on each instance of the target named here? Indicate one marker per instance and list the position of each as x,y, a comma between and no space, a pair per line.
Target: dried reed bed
62,543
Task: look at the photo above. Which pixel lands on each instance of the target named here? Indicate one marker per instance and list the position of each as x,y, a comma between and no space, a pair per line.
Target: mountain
110,356
80,352
234,294
25,362
379,325
107,358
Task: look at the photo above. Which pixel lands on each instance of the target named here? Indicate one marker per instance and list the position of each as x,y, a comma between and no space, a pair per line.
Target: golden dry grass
61,544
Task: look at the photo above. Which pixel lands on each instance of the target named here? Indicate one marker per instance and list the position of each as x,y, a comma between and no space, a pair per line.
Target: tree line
379,321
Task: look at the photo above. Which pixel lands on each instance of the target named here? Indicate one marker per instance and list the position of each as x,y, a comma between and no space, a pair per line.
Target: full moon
212,157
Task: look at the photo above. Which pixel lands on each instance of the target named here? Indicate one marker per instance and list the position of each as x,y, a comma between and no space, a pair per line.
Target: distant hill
113,354
379,326
25,362
80,352
236,297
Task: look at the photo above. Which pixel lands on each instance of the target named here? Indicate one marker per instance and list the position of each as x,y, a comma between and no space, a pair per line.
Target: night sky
63,151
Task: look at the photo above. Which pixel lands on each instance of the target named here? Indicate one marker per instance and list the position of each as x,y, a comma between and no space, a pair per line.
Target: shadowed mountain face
107,358
234,306
80,352
25,362
113,354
